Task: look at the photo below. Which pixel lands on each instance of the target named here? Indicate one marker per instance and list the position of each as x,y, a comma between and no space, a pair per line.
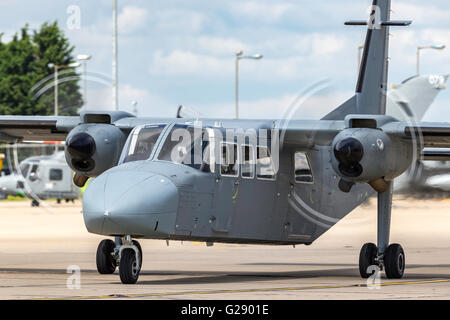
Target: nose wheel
124,253
129,267
106,262
391,258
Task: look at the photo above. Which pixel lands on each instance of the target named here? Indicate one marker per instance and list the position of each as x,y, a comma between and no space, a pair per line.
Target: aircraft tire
138,245
34,203
106,264
394,261
128,269
367,257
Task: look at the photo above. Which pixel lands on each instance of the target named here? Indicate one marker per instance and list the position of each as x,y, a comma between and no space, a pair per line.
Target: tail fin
370,97
414,96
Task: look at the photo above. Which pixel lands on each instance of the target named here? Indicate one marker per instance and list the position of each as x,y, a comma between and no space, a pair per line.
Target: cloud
179,21
132,19
314,107
220,46
422,15
214,57
180,62
148,103
268,12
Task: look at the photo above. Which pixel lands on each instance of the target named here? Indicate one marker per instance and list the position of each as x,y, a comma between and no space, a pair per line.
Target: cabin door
227,186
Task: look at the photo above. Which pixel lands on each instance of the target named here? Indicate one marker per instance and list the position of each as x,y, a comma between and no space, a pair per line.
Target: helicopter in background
40,178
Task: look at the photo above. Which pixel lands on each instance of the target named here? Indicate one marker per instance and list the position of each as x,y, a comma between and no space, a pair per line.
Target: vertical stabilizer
370,97
372,81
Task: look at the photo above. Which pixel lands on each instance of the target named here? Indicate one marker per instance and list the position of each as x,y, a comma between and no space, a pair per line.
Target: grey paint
163,200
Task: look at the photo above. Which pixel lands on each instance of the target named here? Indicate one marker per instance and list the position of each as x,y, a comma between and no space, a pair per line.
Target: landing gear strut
391,258
124,253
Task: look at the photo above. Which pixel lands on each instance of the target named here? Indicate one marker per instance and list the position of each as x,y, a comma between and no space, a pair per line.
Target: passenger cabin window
56,175
228,159
142,142
303,173
265,168
247,162
187,145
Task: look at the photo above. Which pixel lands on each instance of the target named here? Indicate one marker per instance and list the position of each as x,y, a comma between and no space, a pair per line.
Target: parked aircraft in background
40,178
409,101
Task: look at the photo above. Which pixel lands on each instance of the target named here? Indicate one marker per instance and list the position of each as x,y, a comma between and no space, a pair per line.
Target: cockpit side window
142,142
24,167
186,145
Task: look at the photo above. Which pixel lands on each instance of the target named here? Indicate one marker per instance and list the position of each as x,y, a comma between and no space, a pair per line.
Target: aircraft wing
304,133
298,133
436,154
427,134
310,133
32,128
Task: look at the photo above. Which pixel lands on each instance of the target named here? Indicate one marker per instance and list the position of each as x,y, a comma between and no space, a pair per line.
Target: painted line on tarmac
179,293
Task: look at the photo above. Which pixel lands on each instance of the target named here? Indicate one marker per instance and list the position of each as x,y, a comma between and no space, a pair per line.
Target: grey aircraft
279,182
41,177
409,101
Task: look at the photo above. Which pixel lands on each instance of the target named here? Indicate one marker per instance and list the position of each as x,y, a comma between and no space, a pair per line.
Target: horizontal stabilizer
392,23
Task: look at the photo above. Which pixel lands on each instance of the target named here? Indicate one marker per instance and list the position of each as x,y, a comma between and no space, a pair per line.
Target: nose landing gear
391,258
106,262
125,253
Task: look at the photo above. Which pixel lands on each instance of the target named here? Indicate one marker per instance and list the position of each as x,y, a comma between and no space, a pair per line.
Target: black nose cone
349,152
81,146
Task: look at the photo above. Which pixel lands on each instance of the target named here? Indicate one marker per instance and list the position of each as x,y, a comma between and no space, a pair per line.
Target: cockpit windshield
141,143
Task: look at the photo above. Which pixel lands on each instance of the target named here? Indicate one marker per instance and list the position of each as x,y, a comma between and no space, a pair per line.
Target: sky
178,52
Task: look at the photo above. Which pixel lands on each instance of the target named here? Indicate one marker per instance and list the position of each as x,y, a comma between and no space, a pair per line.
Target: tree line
24,64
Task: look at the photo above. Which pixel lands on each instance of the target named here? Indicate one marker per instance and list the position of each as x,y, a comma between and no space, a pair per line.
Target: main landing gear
391,258
124,253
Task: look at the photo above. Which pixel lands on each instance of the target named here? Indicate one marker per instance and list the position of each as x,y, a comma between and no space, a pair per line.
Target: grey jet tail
412,98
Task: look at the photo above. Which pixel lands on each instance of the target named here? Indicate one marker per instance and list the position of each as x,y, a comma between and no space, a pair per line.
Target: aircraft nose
123,202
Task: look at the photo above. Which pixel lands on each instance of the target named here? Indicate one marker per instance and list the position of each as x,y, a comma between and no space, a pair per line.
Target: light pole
240,56
84,58
435,47
135,110
56,68
114,60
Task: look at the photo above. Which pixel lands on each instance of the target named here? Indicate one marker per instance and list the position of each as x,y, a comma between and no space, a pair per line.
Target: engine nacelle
369,156
92,149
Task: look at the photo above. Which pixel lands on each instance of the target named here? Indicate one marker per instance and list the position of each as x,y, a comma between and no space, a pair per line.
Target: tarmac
46,253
